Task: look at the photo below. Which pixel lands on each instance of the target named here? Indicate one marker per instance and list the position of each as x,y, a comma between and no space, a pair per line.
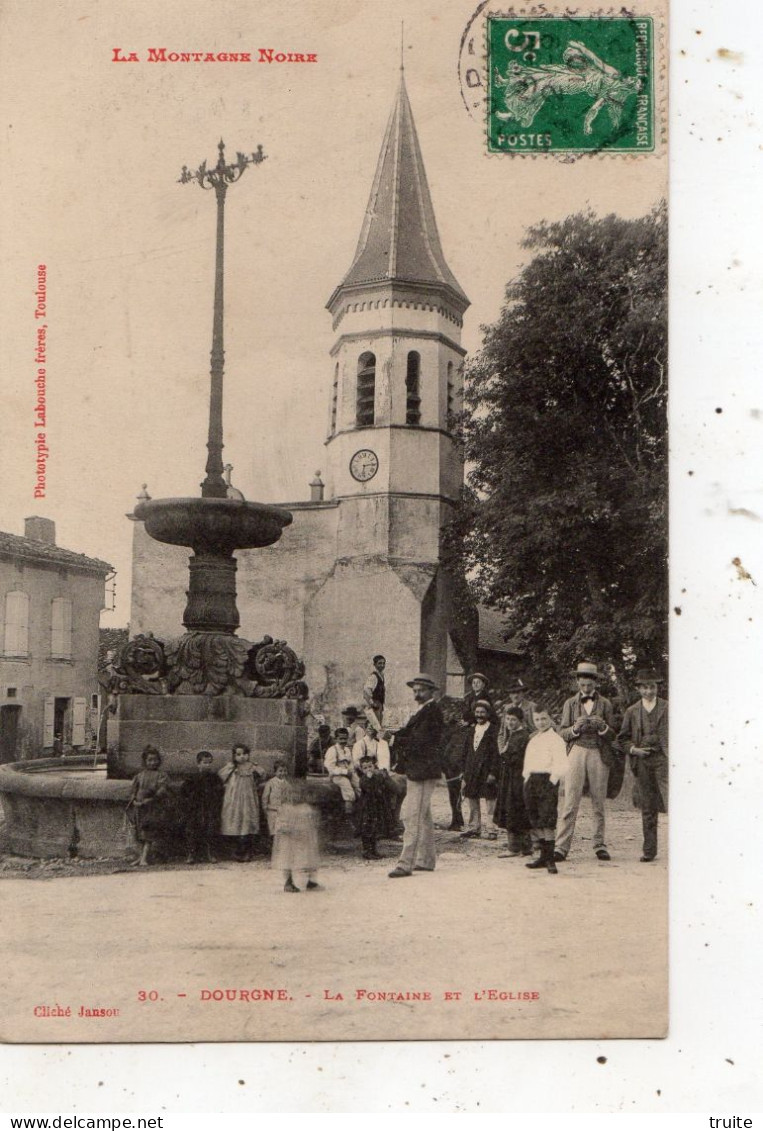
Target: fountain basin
213,526
55,810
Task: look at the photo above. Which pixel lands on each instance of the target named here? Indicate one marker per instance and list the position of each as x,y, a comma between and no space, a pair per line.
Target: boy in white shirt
339,766
544,766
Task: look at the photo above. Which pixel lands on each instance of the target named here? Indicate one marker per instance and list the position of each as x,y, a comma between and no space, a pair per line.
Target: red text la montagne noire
163,55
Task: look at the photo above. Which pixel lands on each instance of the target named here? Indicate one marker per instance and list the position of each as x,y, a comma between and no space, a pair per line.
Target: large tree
564,521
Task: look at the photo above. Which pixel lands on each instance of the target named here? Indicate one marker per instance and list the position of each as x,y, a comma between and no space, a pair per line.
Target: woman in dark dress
510,812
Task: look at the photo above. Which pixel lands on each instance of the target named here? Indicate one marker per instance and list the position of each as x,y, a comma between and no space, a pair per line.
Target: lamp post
219,179
214,526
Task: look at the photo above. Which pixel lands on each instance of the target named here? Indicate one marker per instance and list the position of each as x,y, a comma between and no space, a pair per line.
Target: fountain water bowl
213,525
213,528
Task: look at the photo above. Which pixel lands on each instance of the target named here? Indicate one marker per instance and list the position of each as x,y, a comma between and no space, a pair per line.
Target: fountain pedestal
181,725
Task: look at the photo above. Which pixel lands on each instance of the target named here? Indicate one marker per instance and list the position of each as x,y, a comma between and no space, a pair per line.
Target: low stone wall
54,811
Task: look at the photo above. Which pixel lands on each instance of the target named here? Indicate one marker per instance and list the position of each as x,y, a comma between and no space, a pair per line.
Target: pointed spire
399,240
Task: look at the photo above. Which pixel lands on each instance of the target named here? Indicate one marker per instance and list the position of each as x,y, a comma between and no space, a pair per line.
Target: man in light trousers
587,728
417,753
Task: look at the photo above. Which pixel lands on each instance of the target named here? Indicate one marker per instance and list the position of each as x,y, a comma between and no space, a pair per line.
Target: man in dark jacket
481,768
418,755
644,736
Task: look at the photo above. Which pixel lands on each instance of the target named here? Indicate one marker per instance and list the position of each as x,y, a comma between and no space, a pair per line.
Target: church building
358,572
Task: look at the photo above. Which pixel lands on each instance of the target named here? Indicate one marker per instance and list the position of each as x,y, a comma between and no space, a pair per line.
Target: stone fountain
206,690
209,688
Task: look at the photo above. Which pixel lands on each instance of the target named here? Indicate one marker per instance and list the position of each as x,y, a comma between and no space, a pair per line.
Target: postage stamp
570,84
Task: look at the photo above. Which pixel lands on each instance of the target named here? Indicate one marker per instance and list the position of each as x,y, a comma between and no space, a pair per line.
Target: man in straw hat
644,736
478,690
481,769
587,728
418,755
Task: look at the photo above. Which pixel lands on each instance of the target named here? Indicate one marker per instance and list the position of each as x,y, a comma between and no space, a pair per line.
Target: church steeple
399,241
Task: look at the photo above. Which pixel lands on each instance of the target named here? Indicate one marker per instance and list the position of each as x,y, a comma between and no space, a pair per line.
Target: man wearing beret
644,736
418,755
587,728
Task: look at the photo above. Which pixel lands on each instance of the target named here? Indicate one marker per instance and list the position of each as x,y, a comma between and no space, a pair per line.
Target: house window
16,623
412,398
364,413
334,398
451,394
61,629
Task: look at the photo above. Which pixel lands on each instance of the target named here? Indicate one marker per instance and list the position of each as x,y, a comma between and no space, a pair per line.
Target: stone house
50,604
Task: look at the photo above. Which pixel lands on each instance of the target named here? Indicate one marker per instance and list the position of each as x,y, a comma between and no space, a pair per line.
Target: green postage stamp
570,84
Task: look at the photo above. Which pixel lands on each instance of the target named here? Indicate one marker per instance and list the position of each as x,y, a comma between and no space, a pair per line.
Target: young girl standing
295,848
145,807
241,803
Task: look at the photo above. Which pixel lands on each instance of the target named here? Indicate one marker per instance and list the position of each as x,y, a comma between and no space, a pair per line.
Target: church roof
399,239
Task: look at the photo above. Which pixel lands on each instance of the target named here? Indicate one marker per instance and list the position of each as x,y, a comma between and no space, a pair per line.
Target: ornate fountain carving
206,663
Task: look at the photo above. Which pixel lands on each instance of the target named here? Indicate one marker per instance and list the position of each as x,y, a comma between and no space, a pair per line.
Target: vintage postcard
333,683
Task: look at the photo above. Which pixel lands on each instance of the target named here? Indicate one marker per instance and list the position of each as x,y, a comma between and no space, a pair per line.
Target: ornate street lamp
220,178
214,525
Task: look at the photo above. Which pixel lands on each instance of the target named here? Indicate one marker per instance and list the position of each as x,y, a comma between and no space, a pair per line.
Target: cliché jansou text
162,55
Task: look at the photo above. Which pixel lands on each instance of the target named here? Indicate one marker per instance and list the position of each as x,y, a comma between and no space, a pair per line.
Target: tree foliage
564,521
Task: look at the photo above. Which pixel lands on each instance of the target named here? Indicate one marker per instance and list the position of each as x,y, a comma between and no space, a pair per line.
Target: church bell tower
397,358
393,467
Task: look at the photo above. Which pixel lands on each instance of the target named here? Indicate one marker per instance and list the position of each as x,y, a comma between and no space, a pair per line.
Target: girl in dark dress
510,812
202,800
147,805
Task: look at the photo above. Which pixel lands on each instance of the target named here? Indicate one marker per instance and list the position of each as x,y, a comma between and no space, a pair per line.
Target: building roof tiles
16,546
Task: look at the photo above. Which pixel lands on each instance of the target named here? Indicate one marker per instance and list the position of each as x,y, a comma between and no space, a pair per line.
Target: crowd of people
510,768
519,769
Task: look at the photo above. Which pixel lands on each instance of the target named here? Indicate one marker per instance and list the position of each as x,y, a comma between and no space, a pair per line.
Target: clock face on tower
364,465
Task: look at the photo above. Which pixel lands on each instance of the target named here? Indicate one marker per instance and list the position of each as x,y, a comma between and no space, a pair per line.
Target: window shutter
61,629
78,722
48,727
16,623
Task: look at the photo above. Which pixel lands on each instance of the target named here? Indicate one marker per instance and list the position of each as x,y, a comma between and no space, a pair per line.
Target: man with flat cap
588,729
644,736
418,755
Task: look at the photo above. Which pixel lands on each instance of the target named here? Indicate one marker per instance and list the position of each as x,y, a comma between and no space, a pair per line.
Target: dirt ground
480,948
